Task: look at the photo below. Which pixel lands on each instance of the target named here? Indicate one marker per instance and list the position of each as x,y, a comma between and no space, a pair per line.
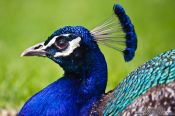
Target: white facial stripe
75,43
52,41
66,35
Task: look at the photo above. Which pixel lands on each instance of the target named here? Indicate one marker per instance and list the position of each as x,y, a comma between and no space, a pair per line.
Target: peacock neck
91,79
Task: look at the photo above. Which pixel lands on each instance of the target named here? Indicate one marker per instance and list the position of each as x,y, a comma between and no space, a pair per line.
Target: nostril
37,47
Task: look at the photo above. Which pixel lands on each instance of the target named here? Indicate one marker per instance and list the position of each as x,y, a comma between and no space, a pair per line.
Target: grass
24,23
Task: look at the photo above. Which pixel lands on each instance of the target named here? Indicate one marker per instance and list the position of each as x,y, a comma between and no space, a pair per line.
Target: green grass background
26,22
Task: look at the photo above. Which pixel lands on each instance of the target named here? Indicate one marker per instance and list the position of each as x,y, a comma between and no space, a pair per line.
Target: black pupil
61,43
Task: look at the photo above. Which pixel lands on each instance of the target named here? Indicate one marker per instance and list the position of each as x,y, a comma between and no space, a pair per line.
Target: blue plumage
84,80
81,90
75,49
76,30
128,28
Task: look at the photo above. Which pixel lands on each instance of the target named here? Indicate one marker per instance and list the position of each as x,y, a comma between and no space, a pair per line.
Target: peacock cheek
78,54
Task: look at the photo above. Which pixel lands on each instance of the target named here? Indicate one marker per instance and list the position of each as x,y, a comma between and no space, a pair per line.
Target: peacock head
66,46
69,45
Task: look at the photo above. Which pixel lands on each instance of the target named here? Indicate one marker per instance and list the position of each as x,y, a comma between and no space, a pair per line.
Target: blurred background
26,22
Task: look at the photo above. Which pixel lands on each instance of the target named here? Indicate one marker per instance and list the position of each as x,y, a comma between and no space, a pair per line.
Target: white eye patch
52,41
75,43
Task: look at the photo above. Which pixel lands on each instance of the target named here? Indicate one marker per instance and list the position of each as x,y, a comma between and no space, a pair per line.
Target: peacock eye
61,43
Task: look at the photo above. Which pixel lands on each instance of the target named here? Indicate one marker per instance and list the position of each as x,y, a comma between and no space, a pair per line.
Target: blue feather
118,33
128,28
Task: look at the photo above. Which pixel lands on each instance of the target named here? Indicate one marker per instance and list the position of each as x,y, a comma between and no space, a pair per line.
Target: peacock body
81,90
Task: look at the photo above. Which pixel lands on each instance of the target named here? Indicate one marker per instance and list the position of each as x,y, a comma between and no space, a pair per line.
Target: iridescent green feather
159,70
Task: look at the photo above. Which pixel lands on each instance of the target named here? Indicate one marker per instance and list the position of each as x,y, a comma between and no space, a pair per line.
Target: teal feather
158,71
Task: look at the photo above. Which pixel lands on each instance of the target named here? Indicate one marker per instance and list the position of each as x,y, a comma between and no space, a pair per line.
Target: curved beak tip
35,50
23,54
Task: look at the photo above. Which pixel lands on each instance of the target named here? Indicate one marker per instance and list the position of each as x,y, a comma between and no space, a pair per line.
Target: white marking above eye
52,41
66,35
75,43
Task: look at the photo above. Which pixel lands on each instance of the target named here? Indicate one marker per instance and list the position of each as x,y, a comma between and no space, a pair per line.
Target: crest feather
118,33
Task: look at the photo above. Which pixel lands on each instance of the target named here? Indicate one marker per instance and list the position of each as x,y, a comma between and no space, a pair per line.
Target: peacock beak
36,50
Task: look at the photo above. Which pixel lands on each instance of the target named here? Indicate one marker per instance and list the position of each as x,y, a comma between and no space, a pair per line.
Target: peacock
81,90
